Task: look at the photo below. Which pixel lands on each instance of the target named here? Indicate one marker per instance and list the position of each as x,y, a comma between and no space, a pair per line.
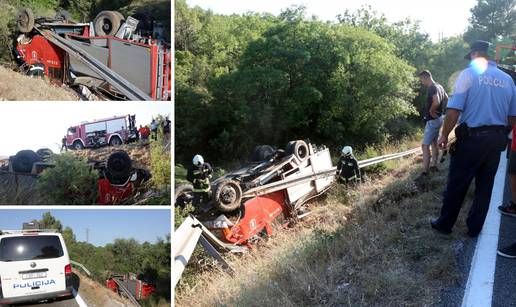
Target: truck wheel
115,141
77,145
262,153
25,20
107,23
44,153
24,160
228,196
63,15
119,167
183,195
298,148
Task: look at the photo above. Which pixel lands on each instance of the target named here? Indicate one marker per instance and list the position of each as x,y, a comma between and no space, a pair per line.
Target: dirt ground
15,86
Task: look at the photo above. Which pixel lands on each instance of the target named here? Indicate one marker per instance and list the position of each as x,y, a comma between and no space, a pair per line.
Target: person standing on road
347,168
485,100
199,175
436,99
63,144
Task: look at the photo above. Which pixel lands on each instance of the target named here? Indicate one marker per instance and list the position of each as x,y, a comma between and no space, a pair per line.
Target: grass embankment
371,245
15,86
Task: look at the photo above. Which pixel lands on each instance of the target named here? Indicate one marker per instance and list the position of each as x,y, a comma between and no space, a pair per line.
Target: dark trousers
475,157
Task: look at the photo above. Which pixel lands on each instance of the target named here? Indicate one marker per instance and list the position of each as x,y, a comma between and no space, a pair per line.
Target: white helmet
347,150
198,160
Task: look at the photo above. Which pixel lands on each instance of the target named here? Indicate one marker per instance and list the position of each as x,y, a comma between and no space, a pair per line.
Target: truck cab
34,266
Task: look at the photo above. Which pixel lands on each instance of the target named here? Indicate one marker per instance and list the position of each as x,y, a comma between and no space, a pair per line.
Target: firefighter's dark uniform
199,176
348,170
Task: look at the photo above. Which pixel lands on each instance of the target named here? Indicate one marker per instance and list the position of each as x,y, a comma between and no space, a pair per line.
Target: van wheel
115,141
107,23
77,145
119,167
24,160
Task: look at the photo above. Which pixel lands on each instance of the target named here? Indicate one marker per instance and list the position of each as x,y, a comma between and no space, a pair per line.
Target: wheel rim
107,25
228,195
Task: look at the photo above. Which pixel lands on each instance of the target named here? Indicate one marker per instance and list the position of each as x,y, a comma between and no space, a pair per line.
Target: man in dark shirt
347,168
199,175
436,99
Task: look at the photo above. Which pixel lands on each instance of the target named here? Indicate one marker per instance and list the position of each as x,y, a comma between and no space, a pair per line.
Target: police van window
30,248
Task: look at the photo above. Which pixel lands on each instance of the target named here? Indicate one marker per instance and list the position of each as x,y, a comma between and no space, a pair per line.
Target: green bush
71,182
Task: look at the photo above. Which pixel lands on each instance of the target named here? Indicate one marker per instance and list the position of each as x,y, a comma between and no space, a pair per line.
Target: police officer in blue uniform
485,100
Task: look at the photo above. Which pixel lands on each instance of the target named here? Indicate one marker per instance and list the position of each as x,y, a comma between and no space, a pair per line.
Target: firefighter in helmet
199,175
347,168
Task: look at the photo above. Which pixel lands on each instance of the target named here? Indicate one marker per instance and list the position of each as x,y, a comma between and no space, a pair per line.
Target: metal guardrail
117,81
126,291
81,266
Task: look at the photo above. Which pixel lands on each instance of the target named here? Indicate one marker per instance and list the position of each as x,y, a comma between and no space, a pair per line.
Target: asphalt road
504,290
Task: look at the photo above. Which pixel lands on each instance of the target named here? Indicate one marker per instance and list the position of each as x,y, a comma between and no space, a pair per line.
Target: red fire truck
108,56
113,131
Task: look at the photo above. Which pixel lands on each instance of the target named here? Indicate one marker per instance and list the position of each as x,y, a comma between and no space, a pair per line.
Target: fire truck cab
113,131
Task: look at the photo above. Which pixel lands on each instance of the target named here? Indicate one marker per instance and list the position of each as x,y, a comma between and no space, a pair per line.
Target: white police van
34,265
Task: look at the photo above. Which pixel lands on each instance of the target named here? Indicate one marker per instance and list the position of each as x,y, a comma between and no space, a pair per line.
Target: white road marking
479,288
79,299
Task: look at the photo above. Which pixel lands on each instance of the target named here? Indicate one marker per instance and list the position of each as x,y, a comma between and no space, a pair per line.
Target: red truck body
139,290
110,131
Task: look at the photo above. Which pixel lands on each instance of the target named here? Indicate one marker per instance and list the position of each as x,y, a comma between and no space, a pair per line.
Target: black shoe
509,209
508,252
436,226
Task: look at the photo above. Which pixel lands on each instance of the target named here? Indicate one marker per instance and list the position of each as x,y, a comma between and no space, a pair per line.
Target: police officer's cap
478,46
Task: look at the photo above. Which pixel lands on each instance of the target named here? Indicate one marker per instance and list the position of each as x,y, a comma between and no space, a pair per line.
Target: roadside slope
15,86
367,246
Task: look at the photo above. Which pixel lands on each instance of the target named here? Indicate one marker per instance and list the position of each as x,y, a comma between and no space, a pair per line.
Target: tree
70,182
492,19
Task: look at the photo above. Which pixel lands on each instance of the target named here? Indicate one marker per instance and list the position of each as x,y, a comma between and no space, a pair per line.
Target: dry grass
371,246
15,86
97,295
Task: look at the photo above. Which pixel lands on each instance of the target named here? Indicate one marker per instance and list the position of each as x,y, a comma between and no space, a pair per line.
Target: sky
34,125
105,225
438,16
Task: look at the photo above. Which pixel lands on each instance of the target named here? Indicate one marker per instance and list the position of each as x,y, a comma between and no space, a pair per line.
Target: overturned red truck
107,57
130,286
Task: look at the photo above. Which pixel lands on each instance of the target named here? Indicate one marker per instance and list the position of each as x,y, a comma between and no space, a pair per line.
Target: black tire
107,23
115,141
183,195
299,149
63,15
44,153
25,20
77,145
227,196
119,167
24,160
262,153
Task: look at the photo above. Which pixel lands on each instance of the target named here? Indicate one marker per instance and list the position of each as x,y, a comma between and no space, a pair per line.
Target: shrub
71,182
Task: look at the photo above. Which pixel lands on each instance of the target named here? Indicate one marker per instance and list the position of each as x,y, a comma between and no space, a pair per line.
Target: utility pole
87,235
